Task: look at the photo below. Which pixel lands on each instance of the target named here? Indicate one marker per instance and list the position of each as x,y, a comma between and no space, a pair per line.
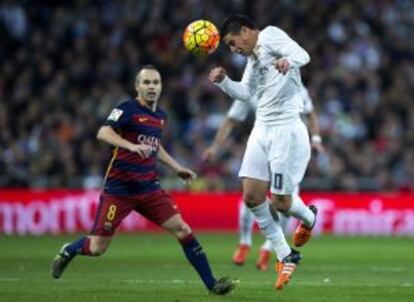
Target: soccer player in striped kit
238,113
278,149
135,128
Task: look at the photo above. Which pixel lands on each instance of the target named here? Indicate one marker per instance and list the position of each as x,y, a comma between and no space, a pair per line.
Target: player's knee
182,230
282,202
252,199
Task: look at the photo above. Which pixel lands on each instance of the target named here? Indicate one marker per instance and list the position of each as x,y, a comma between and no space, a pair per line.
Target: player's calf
98,245
281,203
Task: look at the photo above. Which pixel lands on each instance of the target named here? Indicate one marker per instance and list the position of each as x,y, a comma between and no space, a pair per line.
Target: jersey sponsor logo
151,141
115,115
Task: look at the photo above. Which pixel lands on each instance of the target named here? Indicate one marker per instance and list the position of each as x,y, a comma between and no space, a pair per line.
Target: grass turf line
151,267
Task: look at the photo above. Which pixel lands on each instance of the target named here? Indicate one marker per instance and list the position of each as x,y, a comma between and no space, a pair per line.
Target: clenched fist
217,75
282,65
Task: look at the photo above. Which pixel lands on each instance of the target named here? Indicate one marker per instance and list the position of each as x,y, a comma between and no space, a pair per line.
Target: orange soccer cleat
240,255
262,263
278,266
303,233
285,268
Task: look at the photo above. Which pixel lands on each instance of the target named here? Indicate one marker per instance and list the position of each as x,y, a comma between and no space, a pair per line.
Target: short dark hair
148,66
233,24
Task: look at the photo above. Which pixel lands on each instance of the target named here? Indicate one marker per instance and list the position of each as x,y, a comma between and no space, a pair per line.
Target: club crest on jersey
115,115
107,226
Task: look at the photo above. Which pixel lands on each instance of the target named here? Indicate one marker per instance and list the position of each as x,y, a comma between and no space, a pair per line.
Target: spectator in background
64,65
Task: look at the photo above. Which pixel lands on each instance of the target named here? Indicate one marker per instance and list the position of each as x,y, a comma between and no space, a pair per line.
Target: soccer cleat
240,255
224,286
303,233
60,262
262,263
286,267
278,266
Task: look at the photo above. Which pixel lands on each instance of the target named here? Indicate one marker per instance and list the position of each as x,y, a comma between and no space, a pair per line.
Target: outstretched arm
182,172
236,90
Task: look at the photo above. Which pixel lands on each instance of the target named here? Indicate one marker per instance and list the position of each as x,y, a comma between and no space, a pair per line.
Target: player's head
148,84
239,33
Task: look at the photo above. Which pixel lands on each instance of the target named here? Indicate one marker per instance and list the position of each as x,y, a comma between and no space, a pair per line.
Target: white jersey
306,99
240,110
276,95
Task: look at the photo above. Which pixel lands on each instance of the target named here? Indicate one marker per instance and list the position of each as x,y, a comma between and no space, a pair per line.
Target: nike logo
142,119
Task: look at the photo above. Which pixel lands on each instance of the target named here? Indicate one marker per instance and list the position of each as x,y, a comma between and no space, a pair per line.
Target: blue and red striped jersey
128,174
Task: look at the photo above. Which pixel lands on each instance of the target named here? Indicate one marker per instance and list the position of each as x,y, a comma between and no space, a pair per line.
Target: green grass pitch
151,267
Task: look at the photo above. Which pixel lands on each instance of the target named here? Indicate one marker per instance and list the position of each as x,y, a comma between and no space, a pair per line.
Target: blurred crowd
66,64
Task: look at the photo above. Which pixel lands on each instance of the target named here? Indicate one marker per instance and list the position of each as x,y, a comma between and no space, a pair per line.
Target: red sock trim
187,239
86,250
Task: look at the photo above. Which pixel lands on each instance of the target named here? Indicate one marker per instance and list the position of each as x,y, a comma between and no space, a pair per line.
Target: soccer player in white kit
278,149
238,113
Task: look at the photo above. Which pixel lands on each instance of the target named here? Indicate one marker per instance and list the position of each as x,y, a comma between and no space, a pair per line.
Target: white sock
271,229
284,223
301,211
246,222
278,216
267,246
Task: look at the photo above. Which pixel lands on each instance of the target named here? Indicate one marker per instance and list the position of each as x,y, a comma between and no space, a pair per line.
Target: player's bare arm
108,135
221,136
182,172
316,140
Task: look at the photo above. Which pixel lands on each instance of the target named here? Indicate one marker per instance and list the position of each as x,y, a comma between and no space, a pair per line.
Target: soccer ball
201,37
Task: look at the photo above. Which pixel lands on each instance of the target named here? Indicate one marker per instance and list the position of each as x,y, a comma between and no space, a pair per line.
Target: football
201,37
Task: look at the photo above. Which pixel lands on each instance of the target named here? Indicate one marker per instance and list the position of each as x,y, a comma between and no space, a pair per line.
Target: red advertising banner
68,211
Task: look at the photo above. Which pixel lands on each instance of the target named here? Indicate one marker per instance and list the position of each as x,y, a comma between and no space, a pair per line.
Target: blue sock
77,247
195,254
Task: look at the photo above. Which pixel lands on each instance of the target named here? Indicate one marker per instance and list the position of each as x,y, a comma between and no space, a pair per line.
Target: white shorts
279,154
